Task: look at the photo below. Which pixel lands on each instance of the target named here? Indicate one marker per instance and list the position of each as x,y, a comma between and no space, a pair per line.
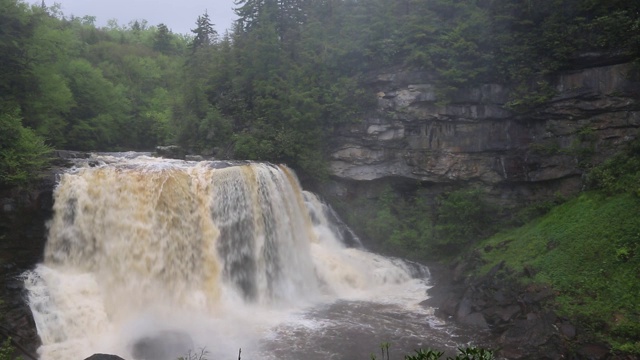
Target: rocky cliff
414,140
475,138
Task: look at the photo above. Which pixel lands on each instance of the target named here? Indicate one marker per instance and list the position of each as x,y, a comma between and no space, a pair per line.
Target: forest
278,84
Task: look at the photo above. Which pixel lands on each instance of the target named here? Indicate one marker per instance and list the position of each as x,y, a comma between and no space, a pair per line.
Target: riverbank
563,286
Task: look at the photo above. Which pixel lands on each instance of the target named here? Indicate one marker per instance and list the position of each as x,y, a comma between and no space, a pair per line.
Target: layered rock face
476,139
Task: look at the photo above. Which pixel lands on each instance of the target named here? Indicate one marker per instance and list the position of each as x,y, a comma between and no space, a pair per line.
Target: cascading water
153,256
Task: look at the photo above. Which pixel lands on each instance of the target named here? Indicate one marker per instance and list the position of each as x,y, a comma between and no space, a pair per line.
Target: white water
228,256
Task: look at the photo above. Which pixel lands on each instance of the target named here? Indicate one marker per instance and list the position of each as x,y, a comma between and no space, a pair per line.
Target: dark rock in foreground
516,316
164,345
103,357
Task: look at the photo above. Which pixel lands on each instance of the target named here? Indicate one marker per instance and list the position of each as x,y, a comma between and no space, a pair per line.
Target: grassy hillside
588,250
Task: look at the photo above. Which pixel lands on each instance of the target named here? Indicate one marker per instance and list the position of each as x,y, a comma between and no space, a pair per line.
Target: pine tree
162,40
205,34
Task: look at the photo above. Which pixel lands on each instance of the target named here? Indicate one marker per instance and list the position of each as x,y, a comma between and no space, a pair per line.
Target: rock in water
165,345
171,152
103,357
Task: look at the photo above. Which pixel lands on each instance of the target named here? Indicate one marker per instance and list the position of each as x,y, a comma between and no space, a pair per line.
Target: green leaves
204,33
422,354
619,174
470,353
463,217
587,250
22,152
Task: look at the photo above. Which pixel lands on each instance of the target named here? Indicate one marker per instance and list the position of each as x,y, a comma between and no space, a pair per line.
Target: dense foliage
277,85
408,224
22,152
7,351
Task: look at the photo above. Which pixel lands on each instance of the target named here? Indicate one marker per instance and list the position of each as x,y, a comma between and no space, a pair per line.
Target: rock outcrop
475,138
23,214
518,317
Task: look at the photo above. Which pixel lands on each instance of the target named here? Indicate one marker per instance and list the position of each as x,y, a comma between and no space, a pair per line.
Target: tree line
277,85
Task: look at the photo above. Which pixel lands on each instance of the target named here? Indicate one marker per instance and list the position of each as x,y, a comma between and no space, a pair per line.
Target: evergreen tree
162,40
205,34
15,32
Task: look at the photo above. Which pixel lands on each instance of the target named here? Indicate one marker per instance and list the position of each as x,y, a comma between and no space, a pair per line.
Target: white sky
179,15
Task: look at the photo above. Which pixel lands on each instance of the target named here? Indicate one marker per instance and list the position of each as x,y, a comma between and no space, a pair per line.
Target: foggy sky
179,15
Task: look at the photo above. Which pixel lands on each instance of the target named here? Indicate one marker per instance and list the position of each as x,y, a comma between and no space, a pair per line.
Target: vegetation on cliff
22,152
409,225
588,250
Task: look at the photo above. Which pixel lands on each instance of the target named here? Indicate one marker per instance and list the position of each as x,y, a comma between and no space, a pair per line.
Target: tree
162,40
15,31
205,34
100,118
463,217
22,152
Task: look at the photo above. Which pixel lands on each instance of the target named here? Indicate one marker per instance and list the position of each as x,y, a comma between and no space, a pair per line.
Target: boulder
164,345
475,320
171,152
593,352
104,357
568,330
531,332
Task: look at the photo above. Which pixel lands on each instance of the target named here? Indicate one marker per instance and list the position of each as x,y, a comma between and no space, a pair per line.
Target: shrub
619,174
463,217
22,152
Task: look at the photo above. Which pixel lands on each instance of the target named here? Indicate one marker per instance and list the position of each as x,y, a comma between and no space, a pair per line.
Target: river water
151,259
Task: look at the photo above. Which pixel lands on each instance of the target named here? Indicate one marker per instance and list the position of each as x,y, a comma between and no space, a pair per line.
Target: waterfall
218,251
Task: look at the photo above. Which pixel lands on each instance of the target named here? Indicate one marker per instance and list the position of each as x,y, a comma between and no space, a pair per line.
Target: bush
7,351
463,217
22,152
619,174
408,224
470,353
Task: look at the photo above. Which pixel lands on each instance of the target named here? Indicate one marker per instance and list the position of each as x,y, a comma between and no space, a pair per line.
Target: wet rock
459,270
494,270
501,297
164,345
103,357
521,328
65,158
464,308
507,313
194,158
23,236
532,331
568,330
593,352
475,320
171,152
67,154
448,308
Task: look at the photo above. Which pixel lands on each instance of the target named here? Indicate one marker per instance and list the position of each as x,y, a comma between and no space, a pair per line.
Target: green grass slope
588,250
